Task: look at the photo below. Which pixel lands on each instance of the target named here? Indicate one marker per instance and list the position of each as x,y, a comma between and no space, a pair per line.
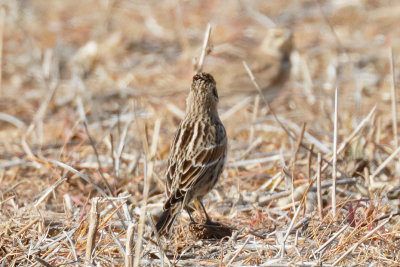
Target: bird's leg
196,204
190,215
208,220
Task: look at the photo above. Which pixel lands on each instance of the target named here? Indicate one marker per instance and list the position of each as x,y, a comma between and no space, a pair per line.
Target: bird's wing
189,163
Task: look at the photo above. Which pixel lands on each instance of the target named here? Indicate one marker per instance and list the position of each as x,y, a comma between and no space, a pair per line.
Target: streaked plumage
197,153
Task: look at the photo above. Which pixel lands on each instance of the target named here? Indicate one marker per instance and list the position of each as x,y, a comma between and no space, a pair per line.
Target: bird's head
203,94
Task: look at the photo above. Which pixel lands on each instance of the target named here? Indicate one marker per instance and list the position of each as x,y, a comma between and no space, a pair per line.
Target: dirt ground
91,93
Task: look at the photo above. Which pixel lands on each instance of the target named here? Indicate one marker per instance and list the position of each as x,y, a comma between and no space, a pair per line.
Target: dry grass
92,92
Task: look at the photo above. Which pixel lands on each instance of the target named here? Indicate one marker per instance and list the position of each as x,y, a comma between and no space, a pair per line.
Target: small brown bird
197,154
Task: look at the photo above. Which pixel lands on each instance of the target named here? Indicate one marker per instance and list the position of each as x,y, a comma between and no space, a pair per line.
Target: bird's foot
211,223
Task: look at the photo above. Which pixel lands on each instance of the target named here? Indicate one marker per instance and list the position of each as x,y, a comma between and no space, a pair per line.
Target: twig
11,119
88,180
127,213
253,161
129,245
83,176
101,226
230,112
81,112
332,238
319,191
394,98
154,140
38,121
2,18
253,80
100,169
299,141
258,16
148,174
121,147
163,257
344,144
238,251
338,42
27,227
199,65
307,136
147,167
250,148
286,130
253,118
361,240
40,261
263,200
383,165
72,246
48,191
175,110
303,127
309,161
381,218
334,155
93,223
290,228
117,241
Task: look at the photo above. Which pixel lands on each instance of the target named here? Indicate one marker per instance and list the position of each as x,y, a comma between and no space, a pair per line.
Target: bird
269,60
197,154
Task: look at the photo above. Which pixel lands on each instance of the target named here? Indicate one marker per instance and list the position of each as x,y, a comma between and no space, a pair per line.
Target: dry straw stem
160,248
81,175
159,60
147,178
148,168
254,117
23,230
121,148
319,191
309,161
235,108
72,244
199,65
332,238
100,169
88,180
102,225
285,129
41,261
2,18
82,114
253,80
383,165
12,119
129,245
347,141
37,122
238,251
291,226
394,97
297,148
361,240
307,135
303,127
93,224
49,190
334,173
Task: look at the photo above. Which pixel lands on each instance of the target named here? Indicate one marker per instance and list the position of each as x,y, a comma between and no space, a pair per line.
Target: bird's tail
167,219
